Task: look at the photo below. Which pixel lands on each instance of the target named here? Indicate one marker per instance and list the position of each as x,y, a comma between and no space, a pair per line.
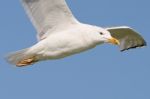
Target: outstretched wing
128,37
48,15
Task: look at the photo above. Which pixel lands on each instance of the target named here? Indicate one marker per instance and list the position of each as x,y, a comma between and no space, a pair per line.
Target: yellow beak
114,41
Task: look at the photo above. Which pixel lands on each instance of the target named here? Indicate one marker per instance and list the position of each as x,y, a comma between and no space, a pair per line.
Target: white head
101,35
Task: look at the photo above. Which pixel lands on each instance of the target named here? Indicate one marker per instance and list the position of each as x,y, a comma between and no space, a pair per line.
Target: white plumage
61,35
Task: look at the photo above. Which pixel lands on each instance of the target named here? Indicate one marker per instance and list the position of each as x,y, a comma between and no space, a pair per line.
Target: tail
21,58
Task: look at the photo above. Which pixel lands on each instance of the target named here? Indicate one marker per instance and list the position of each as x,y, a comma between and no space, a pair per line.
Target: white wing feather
48,15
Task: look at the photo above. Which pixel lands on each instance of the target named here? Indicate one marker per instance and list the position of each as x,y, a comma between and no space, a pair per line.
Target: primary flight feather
60,34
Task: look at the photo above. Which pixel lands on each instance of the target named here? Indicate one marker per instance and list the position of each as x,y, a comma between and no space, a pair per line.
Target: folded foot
26,62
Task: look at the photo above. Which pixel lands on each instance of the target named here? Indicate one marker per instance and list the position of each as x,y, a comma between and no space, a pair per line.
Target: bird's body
61,35
66,43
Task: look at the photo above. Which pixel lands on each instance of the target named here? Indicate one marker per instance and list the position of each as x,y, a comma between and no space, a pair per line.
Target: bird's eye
101,33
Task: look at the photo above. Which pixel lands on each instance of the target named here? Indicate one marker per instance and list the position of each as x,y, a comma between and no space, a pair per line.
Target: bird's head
104,36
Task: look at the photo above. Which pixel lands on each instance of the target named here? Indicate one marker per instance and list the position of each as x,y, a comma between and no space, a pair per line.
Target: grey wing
128,37
48,15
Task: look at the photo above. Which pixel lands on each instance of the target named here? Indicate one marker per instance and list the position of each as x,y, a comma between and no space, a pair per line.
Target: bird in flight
60,34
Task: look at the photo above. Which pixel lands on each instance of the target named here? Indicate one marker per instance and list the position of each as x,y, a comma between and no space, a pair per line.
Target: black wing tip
136,46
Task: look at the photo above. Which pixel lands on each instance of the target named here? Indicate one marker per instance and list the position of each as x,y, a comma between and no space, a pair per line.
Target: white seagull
60,34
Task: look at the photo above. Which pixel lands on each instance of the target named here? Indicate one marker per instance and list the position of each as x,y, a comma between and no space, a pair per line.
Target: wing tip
144,44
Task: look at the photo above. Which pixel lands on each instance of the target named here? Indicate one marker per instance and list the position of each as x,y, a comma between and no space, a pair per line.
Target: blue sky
101,73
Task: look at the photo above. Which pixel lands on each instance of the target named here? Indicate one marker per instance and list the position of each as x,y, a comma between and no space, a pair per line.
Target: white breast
69,42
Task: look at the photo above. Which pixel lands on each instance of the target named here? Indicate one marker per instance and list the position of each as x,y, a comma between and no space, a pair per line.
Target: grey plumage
128,37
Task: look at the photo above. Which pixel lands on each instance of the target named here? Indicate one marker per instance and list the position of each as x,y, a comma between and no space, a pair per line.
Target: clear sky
101,73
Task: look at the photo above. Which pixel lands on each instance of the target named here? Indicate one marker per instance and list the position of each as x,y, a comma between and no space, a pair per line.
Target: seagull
60,34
